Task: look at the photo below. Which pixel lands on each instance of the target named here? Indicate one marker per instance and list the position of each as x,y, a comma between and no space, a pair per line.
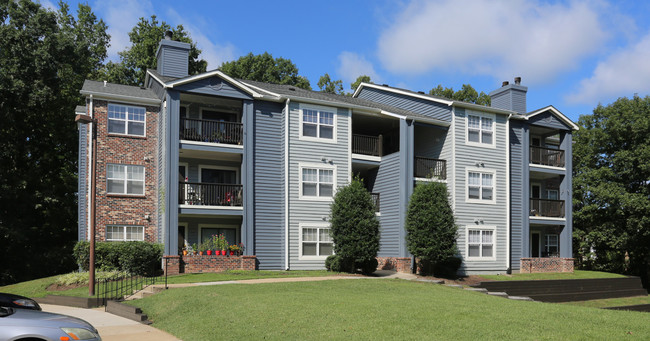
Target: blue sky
571,54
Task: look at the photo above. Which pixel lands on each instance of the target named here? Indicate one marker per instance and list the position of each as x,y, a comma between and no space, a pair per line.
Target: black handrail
211,131
425,167
120,287
208,194
547,208
546,156
368,145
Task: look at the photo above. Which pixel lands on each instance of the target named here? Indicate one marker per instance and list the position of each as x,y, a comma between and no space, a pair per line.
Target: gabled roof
170,82
119,92
435,99
555,113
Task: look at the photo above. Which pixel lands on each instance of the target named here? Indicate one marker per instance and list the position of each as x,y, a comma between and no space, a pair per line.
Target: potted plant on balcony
202,248
195,248
234,249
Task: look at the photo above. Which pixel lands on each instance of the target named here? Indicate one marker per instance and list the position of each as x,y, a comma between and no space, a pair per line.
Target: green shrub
430,226
447,268
340,264
354,228
79,278
134,257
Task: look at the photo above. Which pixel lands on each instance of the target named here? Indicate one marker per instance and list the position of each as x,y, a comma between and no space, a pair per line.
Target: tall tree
360,79
45,57
326,84
265,68
141,55
612,189
466,94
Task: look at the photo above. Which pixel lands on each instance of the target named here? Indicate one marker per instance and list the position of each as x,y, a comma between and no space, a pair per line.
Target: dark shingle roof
118,89
293,91
165,79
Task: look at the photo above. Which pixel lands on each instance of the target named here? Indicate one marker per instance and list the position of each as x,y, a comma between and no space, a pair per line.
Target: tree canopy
265,68
141,55
358,81
326,84
612,188
466,94
45,57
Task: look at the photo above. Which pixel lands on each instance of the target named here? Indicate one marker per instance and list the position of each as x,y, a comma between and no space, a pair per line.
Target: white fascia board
431,121
483,108
149,74
555,112
402,92
275,97
121,98
195,78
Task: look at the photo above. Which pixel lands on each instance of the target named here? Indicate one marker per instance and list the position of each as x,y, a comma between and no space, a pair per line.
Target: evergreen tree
265,68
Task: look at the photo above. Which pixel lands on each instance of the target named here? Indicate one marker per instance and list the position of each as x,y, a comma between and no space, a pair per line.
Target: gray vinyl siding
307,211
213,86
172,60
513,97
548,120
269,185
518,192
387,184
421,106
82,185
492,215
157,88
162,156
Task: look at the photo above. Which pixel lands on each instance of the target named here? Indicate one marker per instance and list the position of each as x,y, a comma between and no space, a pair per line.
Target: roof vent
105,83
168,35
421,92
505,83
518,80
384,84
292,89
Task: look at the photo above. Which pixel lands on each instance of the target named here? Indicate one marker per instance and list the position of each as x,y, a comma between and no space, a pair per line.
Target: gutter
508,217
286,184
132,99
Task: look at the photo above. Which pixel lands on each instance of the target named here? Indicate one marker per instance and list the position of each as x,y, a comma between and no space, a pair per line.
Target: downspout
508,217
90,168
91,265
286,184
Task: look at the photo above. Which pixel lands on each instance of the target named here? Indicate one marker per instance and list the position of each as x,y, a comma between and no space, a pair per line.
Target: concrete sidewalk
112,327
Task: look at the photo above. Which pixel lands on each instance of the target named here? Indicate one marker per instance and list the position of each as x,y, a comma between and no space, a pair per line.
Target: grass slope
375,309
613,302
577,274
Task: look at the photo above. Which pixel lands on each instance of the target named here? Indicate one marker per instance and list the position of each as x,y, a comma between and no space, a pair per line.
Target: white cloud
121,16
49,5
500,38
623,73
352,65
215,54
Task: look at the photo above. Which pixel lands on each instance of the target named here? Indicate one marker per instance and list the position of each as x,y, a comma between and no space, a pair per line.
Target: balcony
547,208
367,145
211,131
375,200
207,194
546,156
425,167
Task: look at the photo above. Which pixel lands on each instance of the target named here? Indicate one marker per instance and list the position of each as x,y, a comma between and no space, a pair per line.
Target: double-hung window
318,123
125,179
480,129
480,243
124,233
551,245
480,186
126,120
317,182
316,242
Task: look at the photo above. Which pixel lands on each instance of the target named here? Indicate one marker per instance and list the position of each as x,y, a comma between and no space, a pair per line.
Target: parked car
17,301
19,324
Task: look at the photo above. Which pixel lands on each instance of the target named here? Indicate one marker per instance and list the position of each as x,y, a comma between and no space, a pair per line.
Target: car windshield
6,311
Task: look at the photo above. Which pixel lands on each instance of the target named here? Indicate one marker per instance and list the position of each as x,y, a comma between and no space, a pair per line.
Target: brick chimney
172,57
510,96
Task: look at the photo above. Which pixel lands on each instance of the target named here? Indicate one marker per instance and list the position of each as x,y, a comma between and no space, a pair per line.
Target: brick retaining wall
399,264
205,263
550,264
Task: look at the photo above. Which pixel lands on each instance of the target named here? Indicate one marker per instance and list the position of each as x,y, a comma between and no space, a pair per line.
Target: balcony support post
171,142
247,169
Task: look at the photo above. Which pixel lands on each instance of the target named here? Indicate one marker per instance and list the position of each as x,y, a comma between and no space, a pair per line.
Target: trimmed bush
354,229
137,258
447,268
431,230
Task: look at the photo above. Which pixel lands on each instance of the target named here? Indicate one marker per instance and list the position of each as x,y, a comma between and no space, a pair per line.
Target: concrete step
454,286
432,281
126,311
483,290
520,298
498,294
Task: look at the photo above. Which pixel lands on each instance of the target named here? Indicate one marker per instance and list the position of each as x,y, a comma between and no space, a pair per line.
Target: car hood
25,317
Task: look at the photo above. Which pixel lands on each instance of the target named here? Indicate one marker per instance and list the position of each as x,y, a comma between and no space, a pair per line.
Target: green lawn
375,309
613,302
577,274
37,287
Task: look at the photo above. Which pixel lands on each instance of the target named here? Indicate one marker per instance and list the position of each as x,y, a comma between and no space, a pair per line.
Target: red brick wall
550,264
131,150
399,264
205,263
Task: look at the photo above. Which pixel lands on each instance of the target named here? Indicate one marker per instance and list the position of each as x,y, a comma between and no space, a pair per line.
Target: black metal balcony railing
425,167
547,208
211,131
546,156
375,200
206,194
367,145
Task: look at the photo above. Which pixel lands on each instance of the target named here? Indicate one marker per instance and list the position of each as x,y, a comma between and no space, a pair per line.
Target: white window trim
494,185
236,169
124,233
317,166
237,229
318,108
546,245
301,226
549,191
494,130
494,242
144,182
126,121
